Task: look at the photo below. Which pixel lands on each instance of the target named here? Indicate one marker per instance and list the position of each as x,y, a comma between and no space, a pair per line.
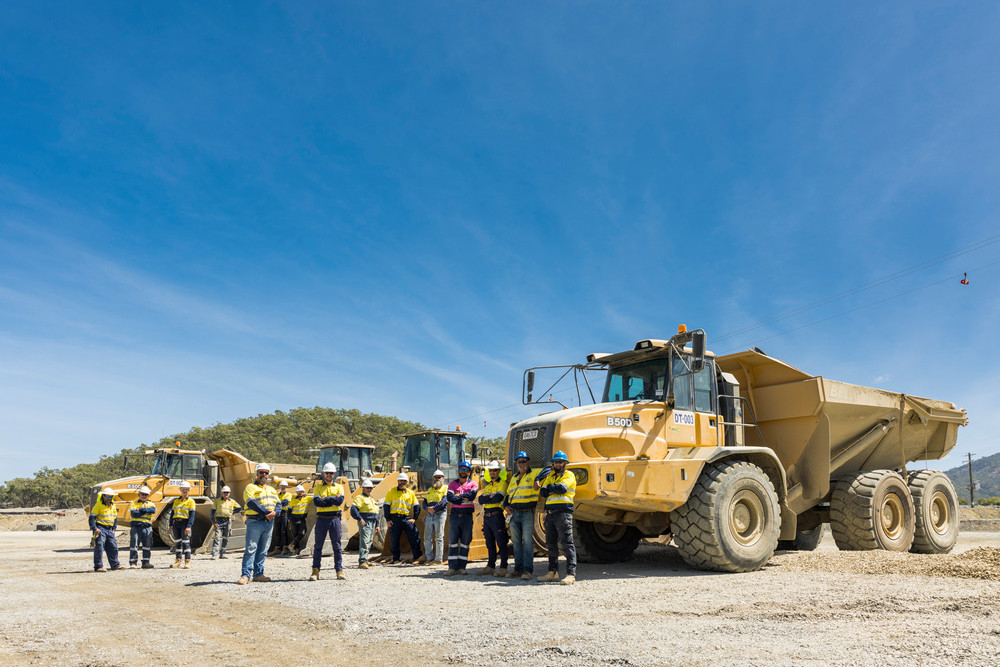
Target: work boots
187,564
363,566
486,571
176,563
315,575
147,566
513,575
449,573
262,579
568,580
551,576
341,575
502,572
420,561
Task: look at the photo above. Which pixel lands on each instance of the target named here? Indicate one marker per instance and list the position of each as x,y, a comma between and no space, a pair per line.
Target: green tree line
285,437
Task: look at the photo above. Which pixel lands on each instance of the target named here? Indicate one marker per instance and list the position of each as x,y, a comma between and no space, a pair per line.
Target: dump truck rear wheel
935,510
872,510
605,542
730,522
805,540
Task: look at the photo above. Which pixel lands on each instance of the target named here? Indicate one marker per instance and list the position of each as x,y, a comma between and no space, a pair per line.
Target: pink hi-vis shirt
458,488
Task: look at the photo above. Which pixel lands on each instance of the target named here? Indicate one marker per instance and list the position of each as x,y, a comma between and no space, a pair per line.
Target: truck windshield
357,461
420,453
168,465
638,381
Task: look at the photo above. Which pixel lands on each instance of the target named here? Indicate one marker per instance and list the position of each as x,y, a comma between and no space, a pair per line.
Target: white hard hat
403,477
185,484
438,473
367,484
144,489
226,489
329,467
262,466
493,465
107,491
283,482
299,488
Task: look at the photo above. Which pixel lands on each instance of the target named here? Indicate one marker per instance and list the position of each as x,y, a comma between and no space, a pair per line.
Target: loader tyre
872,510
805,540
935,511
163,529
378,538
604,542
730,522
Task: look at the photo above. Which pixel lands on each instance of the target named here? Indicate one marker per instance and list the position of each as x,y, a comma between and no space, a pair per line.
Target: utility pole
972,485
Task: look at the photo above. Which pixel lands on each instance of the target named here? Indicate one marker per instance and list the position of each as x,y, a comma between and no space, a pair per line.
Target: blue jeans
459,539
434,535
141,535
522,527
328,526
365,535
255,553
559,533
105,541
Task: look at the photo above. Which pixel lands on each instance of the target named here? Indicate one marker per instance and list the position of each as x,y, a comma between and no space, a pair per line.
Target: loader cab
353,461
428,451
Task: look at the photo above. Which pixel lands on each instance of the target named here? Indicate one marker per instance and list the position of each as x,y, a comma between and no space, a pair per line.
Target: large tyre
935,509
378,538
731,521
163,528
805,540
872,510
604,542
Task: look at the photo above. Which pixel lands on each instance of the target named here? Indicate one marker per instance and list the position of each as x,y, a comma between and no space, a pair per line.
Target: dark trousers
298,526
280,531
140,535
328,526
495,531
182,548
397,526
459,539
559,532
105,542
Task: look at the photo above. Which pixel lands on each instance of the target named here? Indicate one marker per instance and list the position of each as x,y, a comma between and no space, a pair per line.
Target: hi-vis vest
400,502
563,500
434,496
324,490
285,499
224,508
144,519
489,488
299,506
266,496
182,509
365,504
521,491
104,515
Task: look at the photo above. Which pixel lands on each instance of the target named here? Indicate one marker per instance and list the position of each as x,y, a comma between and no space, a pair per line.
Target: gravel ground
823,607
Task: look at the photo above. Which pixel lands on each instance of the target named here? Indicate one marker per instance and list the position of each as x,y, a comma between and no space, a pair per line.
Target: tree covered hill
985,472
285,437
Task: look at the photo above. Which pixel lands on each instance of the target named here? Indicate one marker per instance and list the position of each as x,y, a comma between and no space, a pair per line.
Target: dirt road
803,608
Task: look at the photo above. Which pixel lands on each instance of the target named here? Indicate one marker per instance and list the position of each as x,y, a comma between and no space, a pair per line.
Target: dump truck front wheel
605,542
731,521
935,510
872,510
805,540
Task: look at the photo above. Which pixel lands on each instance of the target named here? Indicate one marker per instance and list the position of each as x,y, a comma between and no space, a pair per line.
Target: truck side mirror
697,351
531,384
475,450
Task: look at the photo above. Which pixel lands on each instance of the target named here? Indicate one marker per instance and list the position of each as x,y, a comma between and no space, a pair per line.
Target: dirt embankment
28,518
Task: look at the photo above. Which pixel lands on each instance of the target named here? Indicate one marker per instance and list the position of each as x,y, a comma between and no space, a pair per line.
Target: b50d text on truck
729,455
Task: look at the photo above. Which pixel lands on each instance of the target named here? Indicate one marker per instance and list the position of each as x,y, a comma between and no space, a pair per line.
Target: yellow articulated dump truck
207,474
731,456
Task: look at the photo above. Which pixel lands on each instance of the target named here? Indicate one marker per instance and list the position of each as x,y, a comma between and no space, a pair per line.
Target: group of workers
510,501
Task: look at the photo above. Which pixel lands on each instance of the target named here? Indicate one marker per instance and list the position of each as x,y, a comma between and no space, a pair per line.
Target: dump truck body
671,415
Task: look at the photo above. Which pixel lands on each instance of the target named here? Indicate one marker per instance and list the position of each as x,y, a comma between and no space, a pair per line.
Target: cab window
192,466
682,384
703,388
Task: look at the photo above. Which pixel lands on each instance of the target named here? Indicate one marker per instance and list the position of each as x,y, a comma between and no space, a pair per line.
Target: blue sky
212,212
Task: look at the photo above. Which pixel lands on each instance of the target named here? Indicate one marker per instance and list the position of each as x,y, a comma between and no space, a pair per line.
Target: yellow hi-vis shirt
434,496
489,487
104,515
182,509
560,500
299,506
400,502
266,496
145,519
365,504
285,498
324,490
521,491
224,508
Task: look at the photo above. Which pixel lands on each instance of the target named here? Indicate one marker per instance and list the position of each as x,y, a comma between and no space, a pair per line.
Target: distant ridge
985,471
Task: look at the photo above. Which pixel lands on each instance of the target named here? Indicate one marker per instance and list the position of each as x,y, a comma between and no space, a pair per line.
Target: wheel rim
892,516
746,517
610,532
940,514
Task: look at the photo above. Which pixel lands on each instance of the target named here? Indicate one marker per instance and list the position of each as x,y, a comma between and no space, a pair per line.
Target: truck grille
535,441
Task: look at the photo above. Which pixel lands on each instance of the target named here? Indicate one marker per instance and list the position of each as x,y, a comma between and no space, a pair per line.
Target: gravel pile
977,563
